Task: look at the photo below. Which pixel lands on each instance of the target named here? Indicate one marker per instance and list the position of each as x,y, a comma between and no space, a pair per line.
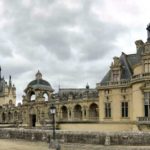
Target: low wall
113,138
96,127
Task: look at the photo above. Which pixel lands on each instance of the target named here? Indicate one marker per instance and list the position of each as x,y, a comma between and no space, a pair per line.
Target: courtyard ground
26,145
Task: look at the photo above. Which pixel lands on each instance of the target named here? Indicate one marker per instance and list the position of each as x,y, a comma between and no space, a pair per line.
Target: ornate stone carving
147,48
116,62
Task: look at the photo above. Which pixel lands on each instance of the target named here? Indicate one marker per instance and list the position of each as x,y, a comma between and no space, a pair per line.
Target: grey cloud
49,32
39,31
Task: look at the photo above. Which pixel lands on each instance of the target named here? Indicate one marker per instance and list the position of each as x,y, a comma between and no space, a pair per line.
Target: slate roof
75,90
39,83
127,63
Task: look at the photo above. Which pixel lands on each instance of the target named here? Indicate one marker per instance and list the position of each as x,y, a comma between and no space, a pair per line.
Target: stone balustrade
143,120
135,78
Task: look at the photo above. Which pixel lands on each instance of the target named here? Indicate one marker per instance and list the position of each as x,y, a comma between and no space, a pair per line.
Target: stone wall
113,138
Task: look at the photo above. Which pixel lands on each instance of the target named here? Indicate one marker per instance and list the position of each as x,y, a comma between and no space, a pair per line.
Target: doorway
33,120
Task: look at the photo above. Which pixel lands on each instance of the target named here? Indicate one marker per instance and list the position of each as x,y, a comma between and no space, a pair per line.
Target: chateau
120,102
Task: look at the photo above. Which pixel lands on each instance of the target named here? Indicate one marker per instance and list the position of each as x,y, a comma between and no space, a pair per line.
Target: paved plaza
26,145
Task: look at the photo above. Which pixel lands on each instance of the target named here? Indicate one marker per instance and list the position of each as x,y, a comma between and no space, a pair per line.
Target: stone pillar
87,114
82,110
69,116
38,117
72,114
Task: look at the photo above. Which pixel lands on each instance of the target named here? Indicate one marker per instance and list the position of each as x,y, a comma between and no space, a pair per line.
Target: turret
10,83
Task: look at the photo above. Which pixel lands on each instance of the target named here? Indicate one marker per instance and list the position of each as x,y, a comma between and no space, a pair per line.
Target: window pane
146,110
124,109
126,112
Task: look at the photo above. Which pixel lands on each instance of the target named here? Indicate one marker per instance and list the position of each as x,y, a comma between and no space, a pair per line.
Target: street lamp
53,112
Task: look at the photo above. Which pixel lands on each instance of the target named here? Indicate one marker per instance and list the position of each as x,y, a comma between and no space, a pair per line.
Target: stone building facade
7,91
73,106
124,100
120,102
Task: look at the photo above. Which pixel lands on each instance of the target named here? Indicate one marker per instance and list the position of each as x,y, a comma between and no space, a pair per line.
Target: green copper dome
39,83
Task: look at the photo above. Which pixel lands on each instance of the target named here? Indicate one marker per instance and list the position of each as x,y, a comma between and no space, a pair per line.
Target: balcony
143,120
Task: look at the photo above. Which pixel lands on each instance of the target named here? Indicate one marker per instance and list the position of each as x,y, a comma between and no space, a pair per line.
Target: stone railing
114,83
143,120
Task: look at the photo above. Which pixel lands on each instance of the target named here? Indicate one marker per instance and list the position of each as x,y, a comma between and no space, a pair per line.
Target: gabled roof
127,63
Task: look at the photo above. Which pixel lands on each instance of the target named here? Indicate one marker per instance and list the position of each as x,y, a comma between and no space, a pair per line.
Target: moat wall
113,138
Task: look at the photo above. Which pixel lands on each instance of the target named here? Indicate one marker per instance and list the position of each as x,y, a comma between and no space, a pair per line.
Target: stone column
38,117
72,114
87,114
82,110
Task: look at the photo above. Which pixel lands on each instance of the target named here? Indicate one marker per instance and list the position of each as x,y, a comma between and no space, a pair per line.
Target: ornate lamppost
53,112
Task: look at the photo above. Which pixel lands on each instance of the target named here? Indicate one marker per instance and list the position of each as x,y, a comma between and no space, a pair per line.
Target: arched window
3,117
9,116
10,102
15,115
77,112
45,95
93,111
64,111
32,96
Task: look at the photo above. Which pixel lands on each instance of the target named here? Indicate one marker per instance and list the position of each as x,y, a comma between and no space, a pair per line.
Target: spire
38,75
10,84
0,72
148,32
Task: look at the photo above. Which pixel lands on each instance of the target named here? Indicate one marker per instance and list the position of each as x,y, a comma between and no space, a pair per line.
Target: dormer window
115,69
115,75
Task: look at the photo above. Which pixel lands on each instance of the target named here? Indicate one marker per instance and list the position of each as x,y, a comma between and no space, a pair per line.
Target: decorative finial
10,80
0,72
87,86
148,32
38,75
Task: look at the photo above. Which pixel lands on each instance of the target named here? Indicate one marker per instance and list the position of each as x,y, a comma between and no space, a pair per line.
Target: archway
64,111
3,117
77,112
46,97
15,115
93,111
32,117
32,96
9,116
33,120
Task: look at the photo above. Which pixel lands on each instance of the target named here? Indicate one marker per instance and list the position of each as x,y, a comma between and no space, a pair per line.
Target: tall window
108,110
115,75
147,104
147,65
106,92
124,106
123,90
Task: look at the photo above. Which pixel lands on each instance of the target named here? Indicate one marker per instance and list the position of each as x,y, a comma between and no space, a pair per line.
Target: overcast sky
71,42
